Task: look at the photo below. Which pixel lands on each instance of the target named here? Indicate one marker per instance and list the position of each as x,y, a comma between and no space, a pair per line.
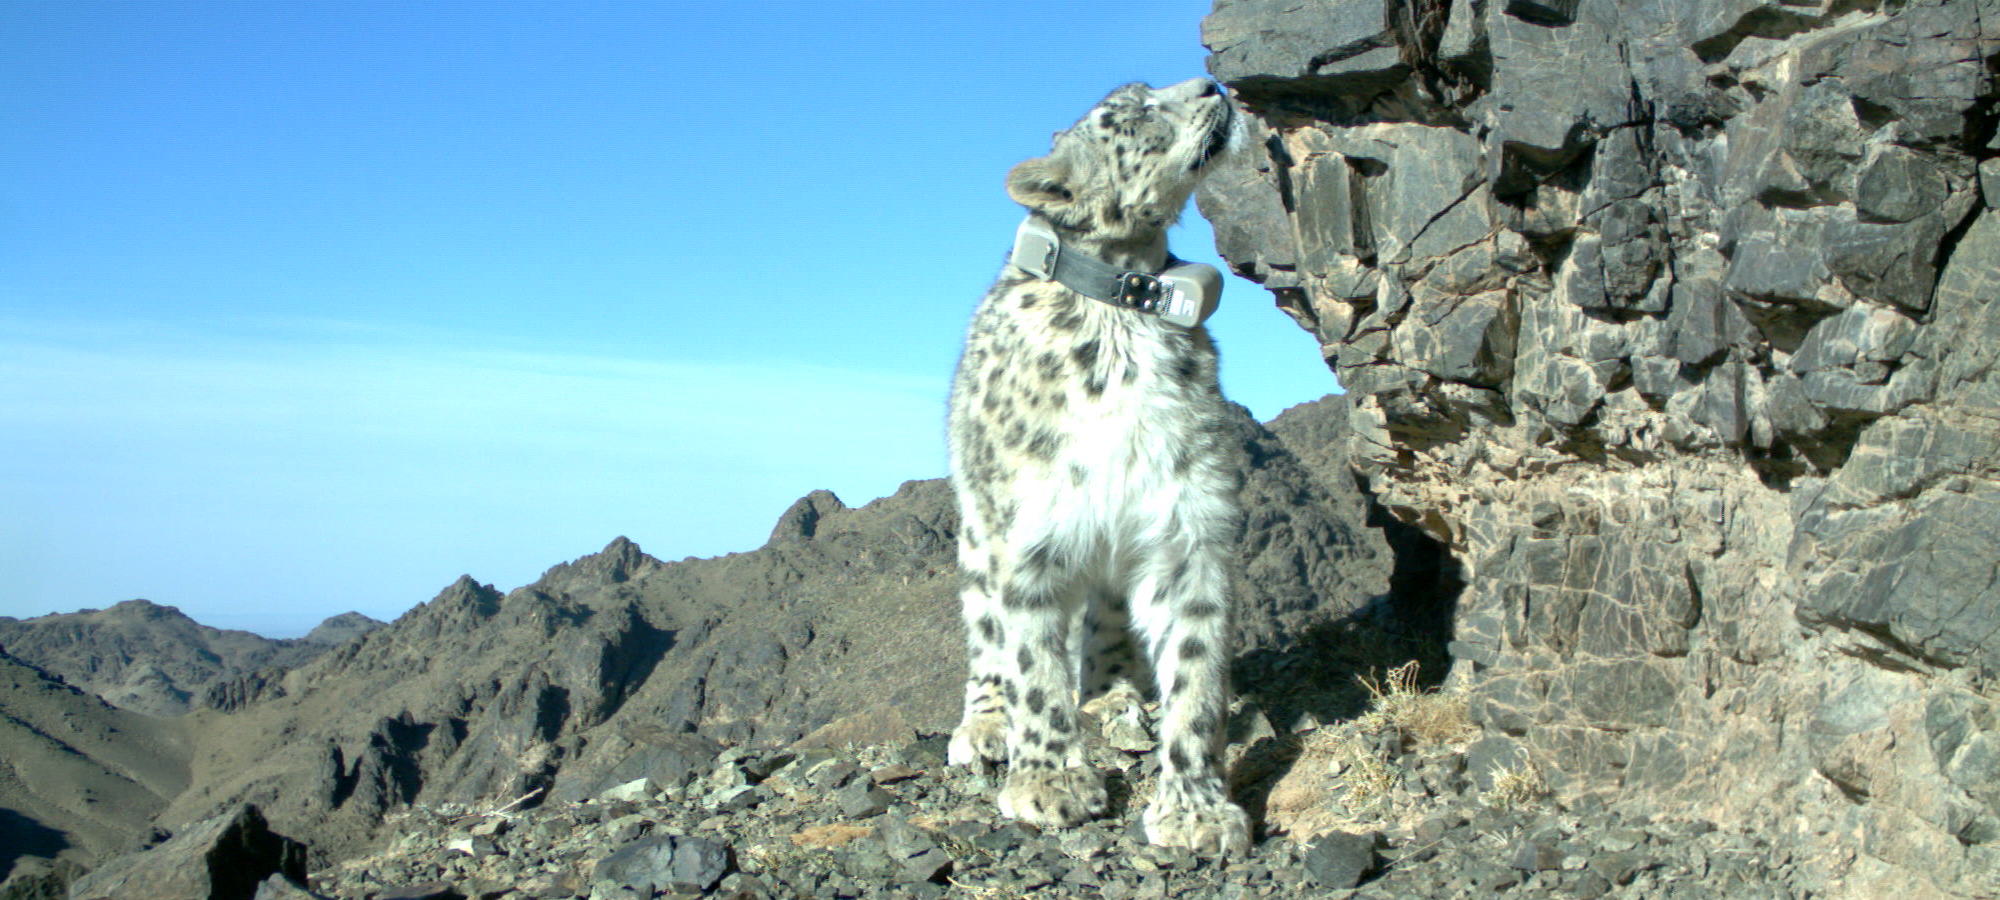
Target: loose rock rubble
895,821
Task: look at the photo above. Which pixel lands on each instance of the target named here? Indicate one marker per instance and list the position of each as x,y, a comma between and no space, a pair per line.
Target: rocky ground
1396,814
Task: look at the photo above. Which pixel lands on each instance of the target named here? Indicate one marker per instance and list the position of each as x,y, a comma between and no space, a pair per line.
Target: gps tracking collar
1183,294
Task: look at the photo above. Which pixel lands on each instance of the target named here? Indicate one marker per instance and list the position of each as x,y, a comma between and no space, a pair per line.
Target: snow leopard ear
1040,184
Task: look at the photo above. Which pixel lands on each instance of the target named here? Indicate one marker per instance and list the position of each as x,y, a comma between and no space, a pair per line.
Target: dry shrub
1515,786
1422,717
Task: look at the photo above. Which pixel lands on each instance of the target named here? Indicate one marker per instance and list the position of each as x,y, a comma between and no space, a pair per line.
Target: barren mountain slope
78,777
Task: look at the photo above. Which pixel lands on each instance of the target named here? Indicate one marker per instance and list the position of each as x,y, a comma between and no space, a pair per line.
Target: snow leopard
1090,451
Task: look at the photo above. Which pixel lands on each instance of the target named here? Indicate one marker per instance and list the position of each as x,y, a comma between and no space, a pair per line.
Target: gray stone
832,775
1909,575
1535,853
1332,212
1340,859
1234,196
1888,263
1898,185
1965,741
1703,324
1619,867
1471,339
902,838
1464,34
861,799
1657,376
1257,40
636,789
1588,885
929,866
1857,334
469,846
1783,265
627,828
663,862
1575,73
1542,12
1629,256
1497,878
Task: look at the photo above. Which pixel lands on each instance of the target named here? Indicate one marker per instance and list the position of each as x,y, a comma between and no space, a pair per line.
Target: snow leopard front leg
980,740
1180,604
1048,783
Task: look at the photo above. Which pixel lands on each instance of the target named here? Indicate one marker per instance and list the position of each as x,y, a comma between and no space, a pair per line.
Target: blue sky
309,307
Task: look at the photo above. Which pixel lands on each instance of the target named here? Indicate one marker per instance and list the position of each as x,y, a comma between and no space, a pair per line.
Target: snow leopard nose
1191,89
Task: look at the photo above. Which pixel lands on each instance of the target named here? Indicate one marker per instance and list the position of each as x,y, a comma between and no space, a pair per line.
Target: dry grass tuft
1422,717
1515,786
1368,778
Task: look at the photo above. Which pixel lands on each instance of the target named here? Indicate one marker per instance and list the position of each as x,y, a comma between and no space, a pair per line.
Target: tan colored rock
826,837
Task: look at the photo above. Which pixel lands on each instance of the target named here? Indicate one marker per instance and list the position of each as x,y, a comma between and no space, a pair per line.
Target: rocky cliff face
142,656
1676,322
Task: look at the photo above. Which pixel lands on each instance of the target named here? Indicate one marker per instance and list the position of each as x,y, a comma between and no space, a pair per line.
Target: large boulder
222,858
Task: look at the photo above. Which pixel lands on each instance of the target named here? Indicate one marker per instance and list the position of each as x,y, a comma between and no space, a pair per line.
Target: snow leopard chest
1060,389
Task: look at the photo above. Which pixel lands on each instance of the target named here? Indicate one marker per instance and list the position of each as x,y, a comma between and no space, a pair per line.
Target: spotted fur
1089,454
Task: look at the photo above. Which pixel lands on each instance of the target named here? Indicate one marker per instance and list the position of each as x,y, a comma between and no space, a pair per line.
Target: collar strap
1183,294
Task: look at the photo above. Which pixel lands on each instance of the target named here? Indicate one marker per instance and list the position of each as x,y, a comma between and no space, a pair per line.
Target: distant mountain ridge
480,696
618,662
150,658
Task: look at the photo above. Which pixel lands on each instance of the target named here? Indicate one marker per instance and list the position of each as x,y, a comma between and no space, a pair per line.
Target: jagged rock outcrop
619,666
154,659
223,858
1676,323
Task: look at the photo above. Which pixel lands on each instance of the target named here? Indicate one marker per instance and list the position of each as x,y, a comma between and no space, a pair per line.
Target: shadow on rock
23,836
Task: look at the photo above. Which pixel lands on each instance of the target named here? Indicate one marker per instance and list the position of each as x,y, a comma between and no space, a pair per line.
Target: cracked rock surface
1677,323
